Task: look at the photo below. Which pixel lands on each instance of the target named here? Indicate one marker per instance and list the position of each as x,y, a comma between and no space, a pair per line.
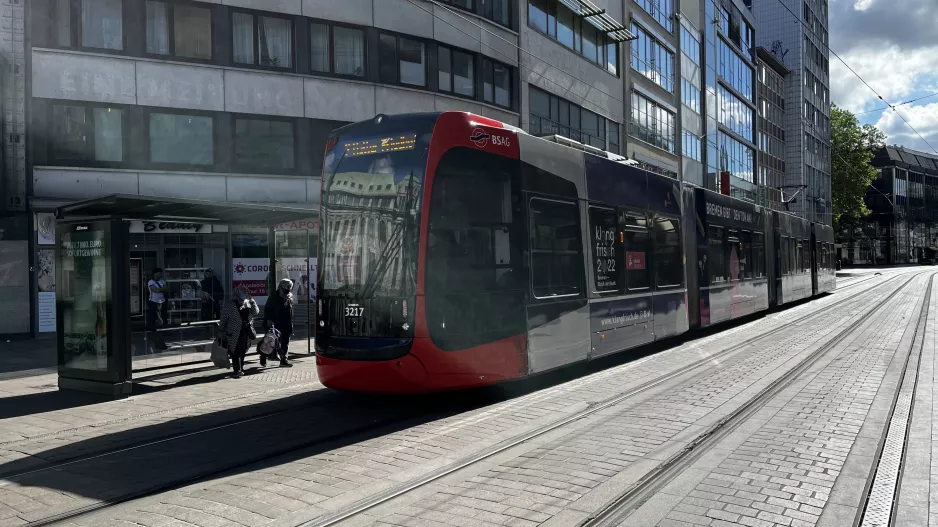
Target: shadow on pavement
265,434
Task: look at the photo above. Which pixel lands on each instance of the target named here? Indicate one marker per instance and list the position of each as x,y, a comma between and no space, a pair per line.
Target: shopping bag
270,343
220,354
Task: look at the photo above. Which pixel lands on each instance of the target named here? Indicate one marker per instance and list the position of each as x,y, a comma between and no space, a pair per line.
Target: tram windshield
372,178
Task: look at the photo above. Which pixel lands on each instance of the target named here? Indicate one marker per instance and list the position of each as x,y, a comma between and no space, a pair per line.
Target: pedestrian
212,295
278,314
237,323
156,308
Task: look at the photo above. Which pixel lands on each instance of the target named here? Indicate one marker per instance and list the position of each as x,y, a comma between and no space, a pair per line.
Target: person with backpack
237,323
278,314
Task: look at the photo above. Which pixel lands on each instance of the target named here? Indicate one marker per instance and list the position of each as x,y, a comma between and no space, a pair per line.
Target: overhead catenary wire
903,103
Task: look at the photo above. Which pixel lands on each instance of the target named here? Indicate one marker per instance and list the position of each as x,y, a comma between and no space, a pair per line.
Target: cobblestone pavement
557,478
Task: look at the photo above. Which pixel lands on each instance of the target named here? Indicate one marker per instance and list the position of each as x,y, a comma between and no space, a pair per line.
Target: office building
796,33
771,81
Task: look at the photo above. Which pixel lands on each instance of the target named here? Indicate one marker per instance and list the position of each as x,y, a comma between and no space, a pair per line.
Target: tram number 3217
354,310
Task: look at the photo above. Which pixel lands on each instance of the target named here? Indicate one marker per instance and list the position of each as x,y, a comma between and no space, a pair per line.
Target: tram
457,251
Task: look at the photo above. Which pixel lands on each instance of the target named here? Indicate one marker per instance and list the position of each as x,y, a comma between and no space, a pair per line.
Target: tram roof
134,207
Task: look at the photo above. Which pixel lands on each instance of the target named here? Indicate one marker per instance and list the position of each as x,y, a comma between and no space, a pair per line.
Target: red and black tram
457,251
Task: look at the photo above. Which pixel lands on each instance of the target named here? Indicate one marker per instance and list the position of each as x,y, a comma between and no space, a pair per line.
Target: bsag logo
479,137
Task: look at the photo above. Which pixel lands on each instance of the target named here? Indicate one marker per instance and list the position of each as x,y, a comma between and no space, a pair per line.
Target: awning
133,207
588,11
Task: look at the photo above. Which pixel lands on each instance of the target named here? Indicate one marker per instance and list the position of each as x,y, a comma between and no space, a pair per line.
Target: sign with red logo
481,138
634,261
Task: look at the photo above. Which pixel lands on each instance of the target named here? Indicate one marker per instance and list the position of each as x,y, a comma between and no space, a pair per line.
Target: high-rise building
796,33
771,80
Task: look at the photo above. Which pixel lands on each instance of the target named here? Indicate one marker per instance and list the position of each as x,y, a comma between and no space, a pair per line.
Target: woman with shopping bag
237,324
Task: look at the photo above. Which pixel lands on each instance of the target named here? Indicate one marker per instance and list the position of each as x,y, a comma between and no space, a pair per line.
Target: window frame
149,111
654,242
625,212
618,246
603,44
579,251
235,117
452,50
427,72
256,14
89,161
331,25
488,61
77,30
172,32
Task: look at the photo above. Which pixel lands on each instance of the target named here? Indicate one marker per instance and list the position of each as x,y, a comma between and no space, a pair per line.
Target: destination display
380,145
606,251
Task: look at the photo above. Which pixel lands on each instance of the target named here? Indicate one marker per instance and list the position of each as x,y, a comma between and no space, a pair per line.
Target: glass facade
734,70
557,21
652,123
652,59
660,10
691,98
734,113
735,157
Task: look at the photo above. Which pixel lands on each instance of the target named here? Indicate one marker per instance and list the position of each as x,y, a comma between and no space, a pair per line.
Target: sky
893,46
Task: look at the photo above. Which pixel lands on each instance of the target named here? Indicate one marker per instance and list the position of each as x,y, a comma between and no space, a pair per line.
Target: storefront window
83,296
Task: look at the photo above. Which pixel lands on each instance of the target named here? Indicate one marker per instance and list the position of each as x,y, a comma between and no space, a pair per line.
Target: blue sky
893,45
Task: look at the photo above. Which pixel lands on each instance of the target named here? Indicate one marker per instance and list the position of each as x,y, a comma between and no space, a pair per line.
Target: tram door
814,265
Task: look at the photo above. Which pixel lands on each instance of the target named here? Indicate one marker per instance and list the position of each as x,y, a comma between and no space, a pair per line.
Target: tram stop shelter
100,288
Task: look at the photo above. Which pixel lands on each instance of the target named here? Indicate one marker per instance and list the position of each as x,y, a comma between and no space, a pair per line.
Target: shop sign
161,227
300,225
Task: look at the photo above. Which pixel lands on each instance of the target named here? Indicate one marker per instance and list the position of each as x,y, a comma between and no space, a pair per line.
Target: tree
851,172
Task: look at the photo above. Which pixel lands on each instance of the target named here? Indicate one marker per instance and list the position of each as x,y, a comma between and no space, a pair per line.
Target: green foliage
851,171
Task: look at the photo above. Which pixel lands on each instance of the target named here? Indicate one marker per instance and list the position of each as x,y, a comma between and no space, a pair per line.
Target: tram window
606,251
717,261
556,249
745,255
635,233
806,256
473,285
758,255
731,255
783,255
667,261
799,261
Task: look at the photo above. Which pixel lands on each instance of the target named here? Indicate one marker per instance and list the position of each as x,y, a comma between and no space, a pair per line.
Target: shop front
109,250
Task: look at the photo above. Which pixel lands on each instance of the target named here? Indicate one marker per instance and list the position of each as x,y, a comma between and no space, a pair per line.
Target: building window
652,59
498,11
690,45
102,24
181,139
690,145
552,115
735,157
264,145
660,10
82,133
652,123
337,49
496,82
456,71
262,40
690,95
181,30
402,60
614,137
734,70
734,113
557,21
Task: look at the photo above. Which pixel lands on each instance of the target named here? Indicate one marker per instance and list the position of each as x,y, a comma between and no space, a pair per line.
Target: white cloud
890,70
862,5
923,118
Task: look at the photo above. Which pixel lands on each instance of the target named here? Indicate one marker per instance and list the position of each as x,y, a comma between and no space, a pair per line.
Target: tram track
371,428
615,512
418,483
